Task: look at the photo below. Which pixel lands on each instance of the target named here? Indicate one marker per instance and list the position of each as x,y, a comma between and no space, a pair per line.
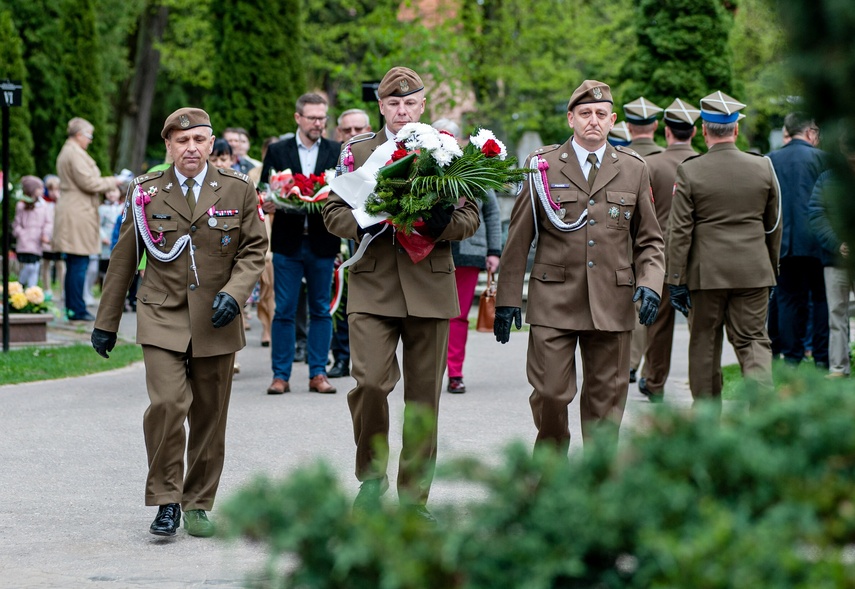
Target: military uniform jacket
172,311
386,281
585,279
725,202
663,170
645,146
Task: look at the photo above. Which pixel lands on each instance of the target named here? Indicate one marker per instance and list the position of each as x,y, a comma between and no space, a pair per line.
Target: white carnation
442,156
450,144
481,137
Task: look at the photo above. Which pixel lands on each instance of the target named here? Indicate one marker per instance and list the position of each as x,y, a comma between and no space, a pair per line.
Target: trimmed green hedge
763,499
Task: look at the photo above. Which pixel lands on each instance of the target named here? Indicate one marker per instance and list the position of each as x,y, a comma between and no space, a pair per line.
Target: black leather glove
438,219
225,309
103,341
649,305
502,322
680,299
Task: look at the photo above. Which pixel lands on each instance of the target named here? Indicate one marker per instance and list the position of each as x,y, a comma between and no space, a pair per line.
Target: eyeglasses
314,119
87,135
350,129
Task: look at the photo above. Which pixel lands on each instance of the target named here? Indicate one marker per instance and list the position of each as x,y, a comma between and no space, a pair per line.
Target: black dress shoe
421,513
654,397
632,375
300,353
197,524
368,498
167,520
339,369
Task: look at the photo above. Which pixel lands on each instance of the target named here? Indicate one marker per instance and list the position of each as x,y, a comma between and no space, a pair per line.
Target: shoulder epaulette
234,174
628,151
546,149
755,153
147,177
694,157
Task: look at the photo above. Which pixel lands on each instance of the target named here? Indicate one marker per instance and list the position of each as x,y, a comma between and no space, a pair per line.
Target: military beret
619,135
721,108
185,118
590,91
681,115
399,81
641,111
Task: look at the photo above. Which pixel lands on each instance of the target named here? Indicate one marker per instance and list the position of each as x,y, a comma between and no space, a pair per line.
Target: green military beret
399,81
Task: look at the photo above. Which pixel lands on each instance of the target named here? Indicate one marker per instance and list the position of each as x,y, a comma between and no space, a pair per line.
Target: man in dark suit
797,165
724,235
302,248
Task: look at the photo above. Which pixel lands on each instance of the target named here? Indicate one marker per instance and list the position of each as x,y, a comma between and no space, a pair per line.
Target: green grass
30,364
732,376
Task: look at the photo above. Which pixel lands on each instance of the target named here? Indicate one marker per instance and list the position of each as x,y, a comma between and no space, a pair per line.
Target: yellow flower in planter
18,300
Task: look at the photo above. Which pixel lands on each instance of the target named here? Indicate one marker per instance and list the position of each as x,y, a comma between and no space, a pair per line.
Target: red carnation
491,148
399,154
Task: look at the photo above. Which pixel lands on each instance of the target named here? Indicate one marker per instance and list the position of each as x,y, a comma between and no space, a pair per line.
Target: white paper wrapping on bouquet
355,188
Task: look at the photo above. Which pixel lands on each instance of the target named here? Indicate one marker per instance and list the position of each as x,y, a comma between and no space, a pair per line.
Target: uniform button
194,248
591,243
591,202
544,276
225,226
160,227
590,264
592,222
145,298
192,228
192,287
621,201
676,275
400,250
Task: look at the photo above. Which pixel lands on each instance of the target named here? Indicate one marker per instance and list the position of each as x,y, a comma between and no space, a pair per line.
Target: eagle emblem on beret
404,85
597,93
184,121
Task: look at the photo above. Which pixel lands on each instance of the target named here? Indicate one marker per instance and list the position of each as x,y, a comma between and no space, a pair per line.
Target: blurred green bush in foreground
763,499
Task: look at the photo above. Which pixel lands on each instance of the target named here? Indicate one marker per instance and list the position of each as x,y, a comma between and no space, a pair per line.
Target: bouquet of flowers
31,300
297,192
429,167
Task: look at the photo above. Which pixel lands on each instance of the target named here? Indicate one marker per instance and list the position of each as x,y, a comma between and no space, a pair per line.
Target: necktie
191,197
592,174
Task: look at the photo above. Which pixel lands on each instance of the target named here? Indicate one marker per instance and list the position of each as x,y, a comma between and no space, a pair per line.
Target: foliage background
509,65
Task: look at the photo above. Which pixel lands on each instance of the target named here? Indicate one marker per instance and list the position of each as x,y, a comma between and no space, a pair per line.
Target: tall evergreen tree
84,82
683,51
12,68
258,72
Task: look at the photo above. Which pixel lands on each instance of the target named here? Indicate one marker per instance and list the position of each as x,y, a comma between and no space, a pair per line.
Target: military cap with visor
185,118
641,111
590,91
721,108
399,81
681,115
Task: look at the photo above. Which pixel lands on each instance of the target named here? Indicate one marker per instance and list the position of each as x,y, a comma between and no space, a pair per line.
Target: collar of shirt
389,135
308,154
199,178
582,156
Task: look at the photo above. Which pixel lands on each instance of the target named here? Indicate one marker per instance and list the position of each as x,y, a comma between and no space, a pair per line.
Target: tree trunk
140,95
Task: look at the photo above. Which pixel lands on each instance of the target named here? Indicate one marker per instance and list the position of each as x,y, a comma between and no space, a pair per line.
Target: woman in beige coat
76,226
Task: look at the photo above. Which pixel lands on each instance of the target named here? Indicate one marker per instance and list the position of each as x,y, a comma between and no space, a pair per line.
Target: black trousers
801,284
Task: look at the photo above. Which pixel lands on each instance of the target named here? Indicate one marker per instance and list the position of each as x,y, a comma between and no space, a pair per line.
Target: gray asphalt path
71,487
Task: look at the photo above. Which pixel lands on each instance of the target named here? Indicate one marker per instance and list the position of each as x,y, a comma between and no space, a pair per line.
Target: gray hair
447,125
354,111
720,129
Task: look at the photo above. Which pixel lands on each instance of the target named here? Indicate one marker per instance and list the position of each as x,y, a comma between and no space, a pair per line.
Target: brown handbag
487,306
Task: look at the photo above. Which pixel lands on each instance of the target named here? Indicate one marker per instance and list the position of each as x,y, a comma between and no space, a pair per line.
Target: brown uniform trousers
660,335
188,362
643,146
581,285
724,238
391,299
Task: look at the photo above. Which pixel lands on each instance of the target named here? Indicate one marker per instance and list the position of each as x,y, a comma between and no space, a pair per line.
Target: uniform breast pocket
224,240
165,231
568,209
620,207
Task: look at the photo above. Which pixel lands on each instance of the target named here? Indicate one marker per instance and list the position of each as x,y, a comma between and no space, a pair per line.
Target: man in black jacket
302,248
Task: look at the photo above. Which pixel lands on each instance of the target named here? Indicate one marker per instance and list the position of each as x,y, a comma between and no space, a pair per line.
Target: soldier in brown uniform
390,298
642,120
724,237
679,129
599,249
205,244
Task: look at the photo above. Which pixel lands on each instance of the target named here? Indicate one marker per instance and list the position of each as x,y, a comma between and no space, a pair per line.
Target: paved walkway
71,486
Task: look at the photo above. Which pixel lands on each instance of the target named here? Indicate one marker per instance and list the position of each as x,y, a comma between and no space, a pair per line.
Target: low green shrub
761,499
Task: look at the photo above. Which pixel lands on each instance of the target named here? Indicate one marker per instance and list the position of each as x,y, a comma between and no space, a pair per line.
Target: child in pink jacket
32,229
